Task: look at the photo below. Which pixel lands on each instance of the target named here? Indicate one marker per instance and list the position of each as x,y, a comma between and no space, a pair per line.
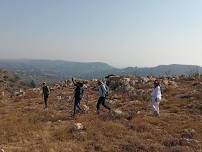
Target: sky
123,33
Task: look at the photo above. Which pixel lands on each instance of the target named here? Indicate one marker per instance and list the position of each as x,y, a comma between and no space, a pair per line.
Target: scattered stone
189,142
49,123
3,93
116,114
145,79
173,84
131,115
111,101
78,126
166,82
86,108
188,133
183,96
59,98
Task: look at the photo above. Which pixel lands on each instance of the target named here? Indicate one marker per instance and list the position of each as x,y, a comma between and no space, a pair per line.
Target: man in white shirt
156,97
102,93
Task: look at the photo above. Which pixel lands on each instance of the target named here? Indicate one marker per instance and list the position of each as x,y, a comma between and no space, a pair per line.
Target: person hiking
78,94
156,98
103,93
45,93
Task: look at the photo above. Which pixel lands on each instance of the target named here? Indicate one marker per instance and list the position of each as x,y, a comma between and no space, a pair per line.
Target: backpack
107,90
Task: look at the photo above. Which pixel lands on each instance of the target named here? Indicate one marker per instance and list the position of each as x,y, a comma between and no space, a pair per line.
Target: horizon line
123,67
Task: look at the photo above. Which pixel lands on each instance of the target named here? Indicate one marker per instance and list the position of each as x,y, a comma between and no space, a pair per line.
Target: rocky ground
26,126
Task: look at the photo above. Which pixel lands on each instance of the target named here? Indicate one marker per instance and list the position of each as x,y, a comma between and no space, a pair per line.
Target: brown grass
26,126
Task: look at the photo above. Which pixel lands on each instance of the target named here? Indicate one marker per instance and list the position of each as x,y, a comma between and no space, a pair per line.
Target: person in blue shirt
103,92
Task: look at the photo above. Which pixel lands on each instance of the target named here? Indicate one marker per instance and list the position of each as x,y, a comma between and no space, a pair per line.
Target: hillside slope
26,126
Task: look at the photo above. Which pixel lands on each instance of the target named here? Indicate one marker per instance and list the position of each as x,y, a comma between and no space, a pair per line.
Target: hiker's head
80,84
156,83
99,82
44,83
107,82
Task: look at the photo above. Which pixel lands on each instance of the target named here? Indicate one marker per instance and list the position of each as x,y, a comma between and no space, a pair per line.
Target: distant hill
163,70
55,70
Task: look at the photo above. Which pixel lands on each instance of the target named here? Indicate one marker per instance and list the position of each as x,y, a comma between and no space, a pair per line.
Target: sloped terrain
26,126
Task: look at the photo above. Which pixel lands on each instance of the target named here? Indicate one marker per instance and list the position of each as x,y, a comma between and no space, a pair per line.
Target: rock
111,101
85,86
141,92
131,115
126,79
86,108
59,98
51,150
173,84
189,142
117,114
133,83
166,82
188,133
184,96
2,150
49,123
3,93
78,126
145,79
135,102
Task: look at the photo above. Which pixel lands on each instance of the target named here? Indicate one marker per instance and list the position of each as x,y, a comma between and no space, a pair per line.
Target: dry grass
26,126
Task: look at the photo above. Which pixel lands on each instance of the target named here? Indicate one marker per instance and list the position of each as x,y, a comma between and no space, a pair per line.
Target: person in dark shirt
78,94
46,92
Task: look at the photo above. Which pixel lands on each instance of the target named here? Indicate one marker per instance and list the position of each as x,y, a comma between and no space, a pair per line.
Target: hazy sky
119,32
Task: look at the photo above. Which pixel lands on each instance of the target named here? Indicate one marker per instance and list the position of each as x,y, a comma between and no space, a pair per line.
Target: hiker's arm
48,89
82,92
73,81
